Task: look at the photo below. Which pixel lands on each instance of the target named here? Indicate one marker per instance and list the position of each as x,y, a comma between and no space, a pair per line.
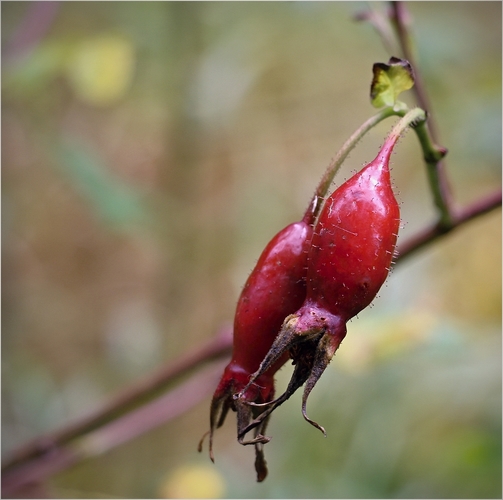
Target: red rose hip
349,259
275,288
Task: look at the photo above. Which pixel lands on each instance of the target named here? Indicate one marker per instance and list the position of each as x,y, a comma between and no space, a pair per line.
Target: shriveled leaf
389,81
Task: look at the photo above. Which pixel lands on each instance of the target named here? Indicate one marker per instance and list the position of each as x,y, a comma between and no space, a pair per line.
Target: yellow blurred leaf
101,69
193,481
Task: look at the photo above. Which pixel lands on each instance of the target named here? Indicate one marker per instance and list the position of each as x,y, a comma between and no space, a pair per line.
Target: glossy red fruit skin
275,288
354,241
351,251
349,259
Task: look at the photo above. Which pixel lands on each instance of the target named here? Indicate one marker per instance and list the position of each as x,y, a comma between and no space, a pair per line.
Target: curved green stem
334,166
413,118
432,155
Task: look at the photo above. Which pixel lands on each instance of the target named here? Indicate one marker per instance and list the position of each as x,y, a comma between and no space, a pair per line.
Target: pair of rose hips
310,280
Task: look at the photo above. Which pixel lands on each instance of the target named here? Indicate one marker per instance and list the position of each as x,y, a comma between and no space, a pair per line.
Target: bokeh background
150,150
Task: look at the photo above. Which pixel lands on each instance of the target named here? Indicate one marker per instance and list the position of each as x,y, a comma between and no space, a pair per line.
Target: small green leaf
389,81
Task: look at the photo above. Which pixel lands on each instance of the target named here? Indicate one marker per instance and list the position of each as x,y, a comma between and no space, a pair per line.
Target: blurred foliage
150,150
199,481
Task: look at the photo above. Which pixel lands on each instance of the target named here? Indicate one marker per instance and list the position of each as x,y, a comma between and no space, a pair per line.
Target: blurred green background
151,149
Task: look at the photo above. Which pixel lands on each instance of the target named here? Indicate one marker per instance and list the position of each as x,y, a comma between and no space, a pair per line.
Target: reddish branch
161,410
218,347
432,233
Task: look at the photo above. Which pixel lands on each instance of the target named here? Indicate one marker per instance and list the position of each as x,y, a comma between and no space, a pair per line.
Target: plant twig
33,472
432,233
333,167
400,21
380,22
439,185
123,429
146,389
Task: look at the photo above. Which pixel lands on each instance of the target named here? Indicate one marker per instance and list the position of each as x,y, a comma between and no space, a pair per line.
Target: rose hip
275,288
342,278
349,259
